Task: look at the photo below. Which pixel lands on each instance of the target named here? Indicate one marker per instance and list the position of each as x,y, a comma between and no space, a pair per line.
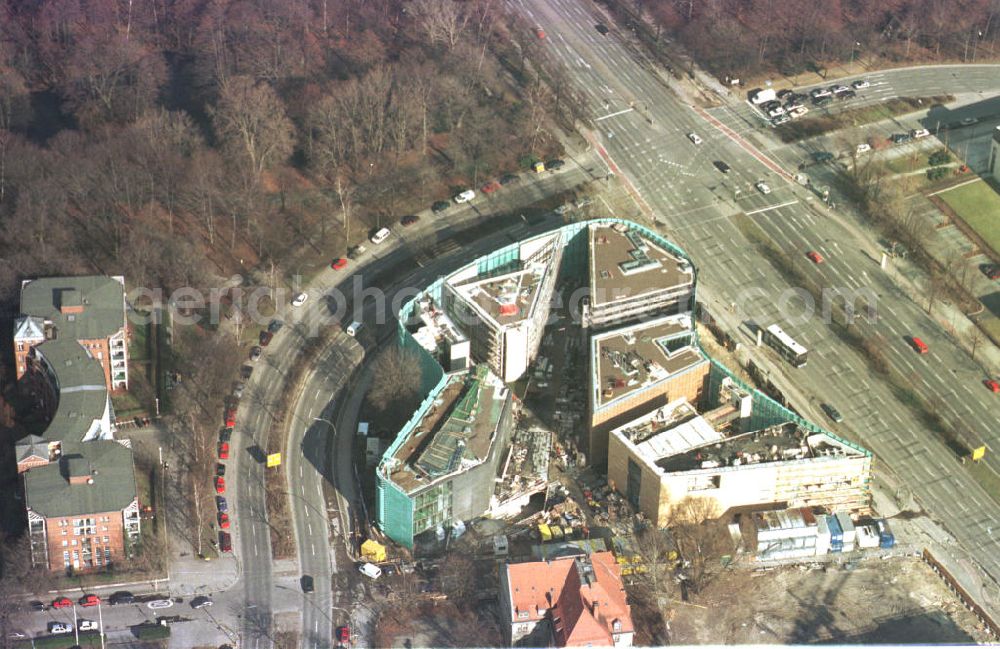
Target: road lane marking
771,207
621,112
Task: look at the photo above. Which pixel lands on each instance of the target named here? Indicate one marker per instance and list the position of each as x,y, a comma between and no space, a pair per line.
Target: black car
822,156
990,270
554,165
785,93
275,326
246,371
121,597
509,179
601,29
307,584
409,220
225,434
36,605
847,94
355,251
721,166
220,469
438,207
832,412
900,138
822,101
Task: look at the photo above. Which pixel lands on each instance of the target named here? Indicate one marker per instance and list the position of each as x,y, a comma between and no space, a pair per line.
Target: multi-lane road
643,126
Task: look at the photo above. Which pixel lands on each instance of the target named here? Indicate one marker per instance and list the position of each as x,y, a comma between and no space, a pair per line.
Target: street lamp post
854,48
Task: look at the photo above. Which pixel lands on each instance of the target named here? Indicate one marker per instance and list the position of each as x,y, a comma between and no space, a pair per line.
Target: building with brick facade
70,353
83,513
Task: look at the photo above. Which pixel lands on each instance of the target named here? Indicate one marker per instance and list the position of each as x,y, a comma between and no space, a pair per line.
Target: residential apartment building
578,601
632,276
443,466
89,311
70,352
83,512
638,367
502,304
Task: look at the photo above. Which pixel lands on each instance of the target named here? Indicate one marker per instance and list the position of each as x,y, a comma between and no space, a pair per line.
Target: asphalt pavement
642,125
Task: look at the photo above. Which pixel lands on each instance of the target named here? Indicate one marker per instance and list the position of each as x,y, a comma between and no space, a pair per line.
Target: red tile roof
587,594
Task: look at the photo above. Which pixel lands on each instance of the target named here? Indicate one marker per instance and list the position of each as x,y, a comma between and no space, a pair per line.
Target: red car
223,450
490,187
409,220
815,257
225,542
339,263
343,634
220,484
919,346
62,602
224,520
89,600
539,32
992,385
230,417
265,338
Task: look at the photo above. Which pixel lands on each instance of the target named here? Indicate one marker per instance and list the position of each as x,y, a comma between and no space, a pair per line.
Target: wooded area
739,38
176,141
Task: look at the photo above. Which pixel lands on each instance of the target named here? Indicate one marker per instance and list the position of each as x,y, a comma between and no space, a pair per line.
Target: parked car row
489,187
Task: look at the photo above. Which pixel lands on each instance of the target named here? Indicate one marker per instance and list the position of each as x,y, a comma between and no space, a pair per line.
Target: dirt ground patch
437,625
900,601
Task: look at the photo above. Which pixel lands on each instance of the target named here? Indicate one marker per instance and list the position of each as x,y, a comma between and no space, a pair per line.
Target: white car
839,89
465,196
798,112
379,236
861,83
774,112
160,603
370,570
694,138
864,147
919,133
60,627
87,625
820,92
300,299
762,187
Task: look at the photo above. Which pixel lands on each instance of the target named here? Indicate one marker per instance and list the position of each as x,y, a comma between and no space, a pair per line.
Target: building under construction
727,459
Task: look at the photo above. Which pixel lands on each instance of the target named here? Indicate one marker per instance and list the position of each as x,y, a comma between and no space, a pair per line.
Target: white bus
785,345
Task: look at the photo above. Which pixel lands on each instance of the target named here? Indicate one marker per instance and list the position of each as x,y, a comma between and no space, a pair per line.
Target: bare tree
701,540
251,122
345,192
397,378
442,21
16,574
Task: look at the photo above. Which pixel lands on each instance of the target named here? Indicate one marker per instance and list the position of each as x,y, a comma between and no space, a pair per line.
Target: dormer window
616,626
523,615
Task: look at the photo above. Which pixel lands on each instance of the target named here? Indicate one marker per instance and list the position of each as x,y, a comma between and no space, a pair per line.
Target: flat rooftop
625,264
507,298
633,357
783,442
455,432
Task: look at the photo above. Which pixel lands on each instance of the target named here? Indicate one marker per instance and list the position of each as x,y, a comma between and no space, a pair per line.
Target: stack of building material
836,534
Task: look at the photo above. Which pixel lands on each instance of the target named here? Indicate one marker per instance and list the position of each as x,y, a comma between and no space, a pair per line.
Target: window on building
105,540
65,543
616,625
74,542
522,615
107,554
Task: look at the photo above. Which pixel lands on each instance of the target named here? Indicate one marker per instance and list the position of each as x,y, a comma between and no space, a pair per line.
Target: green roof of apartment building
101,297
83,394
49,493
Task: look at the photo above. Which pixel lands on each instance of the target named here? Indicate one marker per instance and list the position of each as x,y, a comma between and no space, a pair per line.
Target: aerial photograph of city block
409,324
